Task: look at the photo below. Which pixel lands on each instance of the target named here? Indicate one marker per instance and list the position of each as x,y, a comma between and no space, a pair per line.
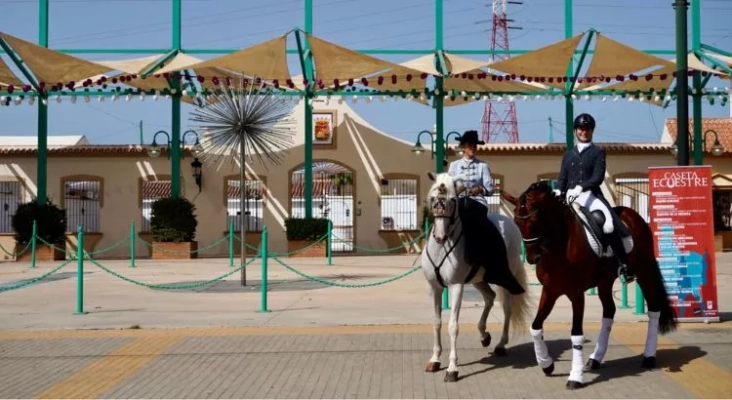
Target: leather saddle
596,220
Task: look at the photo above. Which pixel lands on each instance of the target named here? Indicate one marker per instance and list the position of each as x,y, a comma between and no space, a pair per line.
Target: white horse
443,255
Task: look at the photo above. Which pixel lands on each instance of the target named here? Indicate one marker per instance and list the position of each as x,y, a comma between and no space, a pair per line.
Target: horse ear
507,196
431,175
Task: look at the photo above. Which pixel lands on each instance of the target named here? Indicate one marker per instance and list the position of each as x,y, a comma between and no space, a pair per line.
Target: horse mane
540,186
449,185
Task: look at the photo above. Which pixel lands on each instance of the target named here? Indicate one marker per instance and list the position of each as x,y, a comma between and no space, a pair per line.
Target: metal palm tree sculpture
243,121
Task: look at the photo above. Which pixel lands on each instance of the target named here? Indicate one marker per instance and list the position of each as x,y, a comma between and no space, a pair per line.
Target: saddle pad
597,247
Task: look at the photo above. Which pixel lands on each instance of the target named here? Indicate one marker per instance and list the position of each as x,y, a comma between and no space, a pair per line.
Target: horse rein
441,199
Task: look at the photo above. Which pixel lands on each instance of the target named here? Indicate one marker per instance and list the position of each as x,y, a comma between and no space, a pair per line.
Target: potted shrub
303,232
173,227
50,228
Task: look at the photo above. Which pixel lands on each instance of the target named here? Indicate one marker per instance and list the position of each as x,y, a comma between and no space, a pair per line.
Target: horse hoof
451,376
649,362
572,385
548,370
432,367
486,340
500,351
592,365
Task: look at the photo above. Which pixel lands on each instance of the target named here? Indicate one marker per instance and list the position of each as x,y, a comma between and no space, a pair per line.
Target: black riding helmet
584,121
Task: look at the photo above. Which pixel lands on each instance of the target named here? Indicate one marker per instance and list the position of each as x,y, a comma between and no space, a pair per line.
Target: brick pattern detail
316,251
43,253
174,251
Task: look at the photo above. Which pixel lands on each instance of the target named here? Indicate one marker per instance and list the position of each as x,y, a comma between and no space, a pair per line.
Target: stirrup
624,276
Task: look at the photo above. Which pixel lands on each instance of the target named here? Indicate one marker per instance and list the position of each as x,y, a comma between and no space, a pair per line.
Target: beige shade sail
266,60
724,59
131,66
424,64
548,61
694,63
643,85
336,62
458,65
7,77
612,58
179,62
50,66
487,84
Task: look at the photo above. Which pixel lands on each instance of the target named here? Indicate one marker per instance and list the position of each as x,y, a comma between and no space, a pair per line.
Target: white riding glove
557,192
574,192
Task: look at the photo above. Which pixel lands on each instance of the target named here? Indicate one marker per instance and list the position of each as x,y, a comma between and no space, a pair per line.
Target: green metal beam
19,63
157,64
568,102
309,72
682,79
715,62
362,51
716,50
696,100
571,83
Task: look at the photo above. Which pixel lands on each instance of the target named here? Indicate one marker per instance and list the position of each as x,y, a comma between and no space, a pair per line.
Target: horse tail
667,320
651,282
520,303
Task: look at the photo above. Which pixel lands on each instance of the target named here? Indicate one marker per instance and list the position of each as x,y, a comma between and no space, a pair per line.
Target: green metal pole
440,113
133,242
568,103
682,83
624,296
329,248
80,271
309,75
264,255
231,242
142,138
175,123
640,306
34,243
42,161
697,83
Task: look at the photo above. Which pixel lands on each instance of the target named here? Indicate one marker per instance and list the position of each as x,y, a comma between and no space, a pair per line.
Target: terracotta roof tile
255,190
152,190
722,126
509,148
90,150
320,186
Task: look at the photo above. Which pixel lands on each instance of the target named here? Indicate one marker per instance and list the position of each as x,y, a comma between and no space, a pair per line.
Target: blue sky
357,24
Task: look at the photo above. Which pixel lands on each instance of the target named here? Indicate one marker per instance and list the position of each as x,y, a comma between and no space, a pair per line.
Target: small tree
50,222
173,220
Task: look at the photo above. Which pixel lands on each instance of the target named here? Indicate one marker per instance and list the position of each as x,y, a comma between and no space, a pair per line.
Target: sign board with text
683,238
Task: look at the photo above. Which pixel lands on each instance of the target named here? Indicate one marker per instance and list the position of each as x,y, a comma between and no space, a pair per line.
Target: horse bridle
535,241
441,200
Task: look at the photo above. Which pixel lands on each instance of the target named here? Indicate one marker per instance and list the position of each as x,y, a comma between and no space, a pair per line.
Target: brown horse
568,263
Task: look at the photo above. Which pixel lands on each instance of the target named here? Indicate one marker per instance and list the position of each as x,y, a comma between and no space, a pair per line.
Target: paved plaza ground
316,341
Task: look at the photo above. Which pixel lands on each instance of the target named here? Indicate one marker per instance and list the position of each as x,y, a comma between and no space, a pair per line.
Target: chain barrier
286,254
172,286
389,250
37,279
27,247
66,252
210,246
344,285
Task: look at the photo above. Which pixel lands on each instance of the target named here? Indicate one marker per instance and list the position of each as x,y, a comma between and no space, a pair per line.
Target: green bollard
640,307
624,296
231,242
330,243
34,242
592,292
80,271
264,255
445,299
133,241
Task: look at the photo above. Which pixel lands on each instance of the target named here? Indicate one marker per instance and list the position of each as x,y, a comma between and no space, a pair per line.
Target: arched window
150,189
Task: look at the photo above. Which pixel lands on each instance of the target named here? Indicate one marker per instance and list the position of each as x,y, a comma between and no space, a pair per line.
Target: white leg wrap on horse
576,374
540,349
602,339
652,334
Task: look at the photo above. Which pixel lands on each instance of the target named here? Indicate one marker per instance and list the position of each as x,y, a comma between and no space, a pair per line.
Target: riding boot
625,271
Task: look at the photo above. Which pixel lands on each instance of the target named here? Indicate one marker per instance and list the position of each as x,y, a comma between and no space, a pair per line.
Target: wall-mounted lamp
717,148
196,171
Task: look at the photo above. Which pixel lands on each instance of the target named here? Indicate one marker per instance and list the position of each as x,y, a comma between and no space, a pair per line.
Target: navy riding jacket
586,169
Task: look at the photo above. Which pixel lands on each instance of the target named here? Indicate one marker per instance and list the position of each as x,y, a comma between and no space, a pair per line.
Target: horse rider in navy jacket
580,177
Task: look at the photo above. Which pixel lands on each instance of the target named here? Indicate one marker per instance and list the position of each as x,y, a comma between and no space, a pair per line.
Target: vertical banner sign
683,238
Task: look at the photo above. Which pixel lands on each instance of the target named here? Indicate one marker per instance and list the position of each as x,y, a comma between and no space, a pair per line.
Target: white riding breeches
588,200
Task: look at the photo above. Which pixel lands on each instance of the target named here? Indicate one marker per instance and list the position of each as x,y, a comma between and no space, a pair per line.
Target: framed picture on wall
324,128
